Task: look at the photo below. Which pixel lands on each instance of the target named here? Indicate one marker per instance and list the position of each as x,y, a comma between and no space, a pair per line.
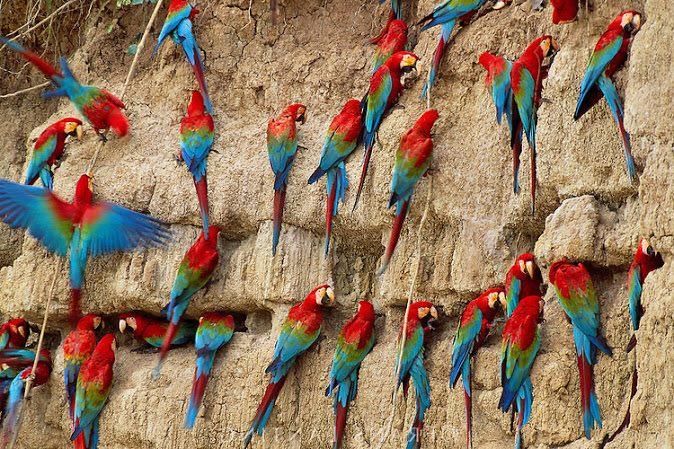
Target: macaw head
20,327
525,267
646,253
555,267
107,347
405,61
298,112
322,295
397,27
352,107
629,21
549,46
366,310
90,322
213,232
72,127
424,312
495,297
84,189
134,320
425,123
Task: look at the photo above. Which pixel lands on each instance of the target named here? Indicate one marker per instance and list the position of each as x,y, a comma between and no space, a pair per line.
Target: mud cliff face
587,211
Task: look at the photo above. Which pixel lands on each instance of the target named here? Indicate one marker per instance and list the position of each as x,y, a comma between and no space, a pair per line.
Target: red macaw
152,331
645,260
471,333
519,347
49,148
413,159
385,88
564,11
178,25
577,297
215,330
523,279
392,40
77,347
196,140
84,227
299,331
281,149
93,389
608,56
101,109
342,139
354,343
193,274
420,317
14,334
526,78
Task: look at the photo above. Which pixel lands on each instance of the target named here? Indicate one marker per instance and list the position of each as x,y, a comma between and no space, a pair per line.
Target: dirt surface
317,54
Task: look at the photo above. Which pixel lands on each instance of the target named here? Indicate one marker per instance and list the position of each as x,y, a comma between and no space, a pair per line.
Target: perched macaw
49,148
526,78
299,331
93,388
282,148
520,343
419,323
523,279
14,334
13,361
85,227
577,297
178,25
215,330
447,14
15,398
342,138
354,343
645,260
196,139
152,330
77,347
392,40
413,159
395,14
608,56
471,333
102,110
385,88
193,274
564,11
498,83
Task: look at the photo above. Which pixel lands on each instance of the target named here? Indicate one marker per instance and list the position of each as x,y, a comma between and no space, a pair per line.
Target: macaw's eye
423,312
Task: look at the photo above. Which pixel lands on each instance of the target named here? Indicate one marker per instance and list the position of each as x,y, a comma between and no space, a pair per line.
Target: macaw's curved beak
302,118
22,331
529,267
500,4
122,326
79,131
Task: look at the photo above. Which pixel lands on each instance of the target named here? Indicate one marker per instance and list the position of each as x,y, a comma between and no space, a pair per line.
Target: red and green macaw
385,88
354,343
420,317
341,140
498,83
196,140
215,330
14,334
299,331
413,159
152,330
102,110
526,78
84,228
519,346
564,11
14,399
396,13
391,40
447,14
193,274
471,333
282,148
93,389
49,148
77,347
577,297
608,56
13,361
523,279
178,25
645,260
